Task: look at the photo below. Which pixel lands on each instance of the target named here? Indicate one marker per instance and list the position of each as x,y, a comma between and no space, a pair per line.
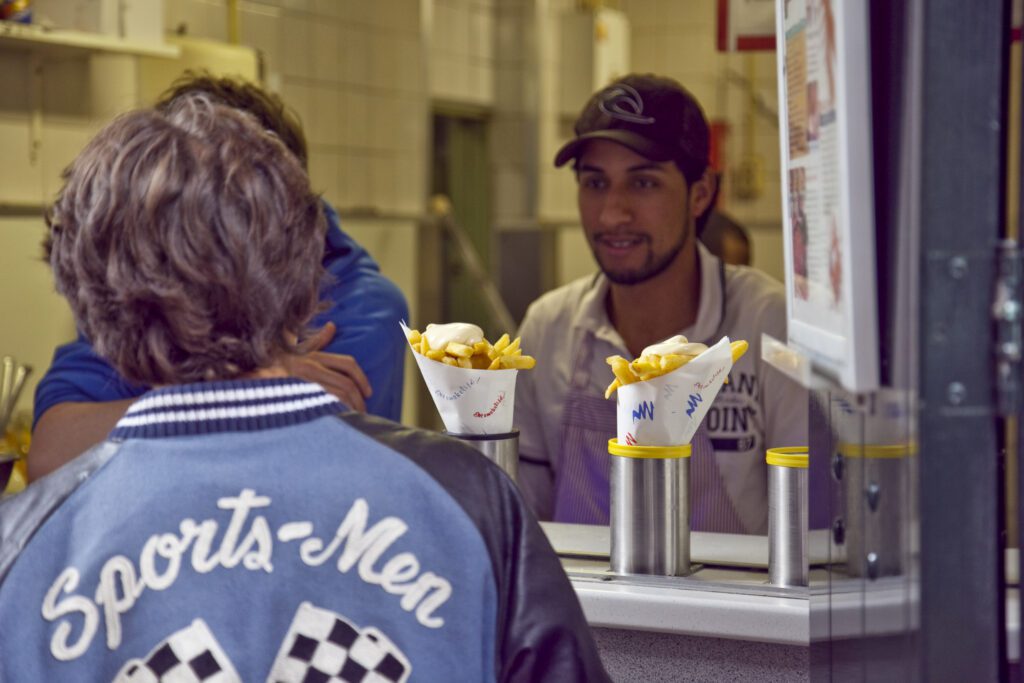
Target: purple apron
582,489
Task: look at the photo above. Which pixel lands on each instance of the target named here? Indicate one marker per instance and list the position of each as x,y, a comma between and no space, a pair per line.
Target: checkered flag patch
191,655
324,647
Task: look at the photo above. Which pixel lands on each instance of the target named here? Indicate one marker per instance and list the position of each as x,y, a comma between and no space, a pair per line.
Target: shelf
14,208
55,42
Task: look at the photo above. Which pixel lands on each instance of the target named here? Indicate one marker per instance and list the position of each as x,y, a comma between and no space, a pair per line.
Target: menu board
828,200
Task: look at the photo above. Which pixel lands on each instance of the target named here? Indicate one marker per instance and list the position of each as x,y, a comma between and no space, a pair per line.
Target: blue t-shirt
366,308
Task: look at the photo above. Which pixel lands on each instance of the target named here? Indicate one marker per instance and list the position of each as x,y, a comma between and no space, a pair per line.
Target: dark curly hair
269,109
188,244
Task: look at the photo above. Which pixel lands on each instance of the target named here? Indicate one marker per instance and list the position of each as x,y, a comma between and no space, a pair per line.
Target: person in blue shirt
240,523
358,354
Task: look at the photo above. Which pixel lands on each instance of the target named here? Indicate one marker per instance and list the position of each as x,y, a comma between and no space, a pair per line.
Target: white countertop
728,595
731,599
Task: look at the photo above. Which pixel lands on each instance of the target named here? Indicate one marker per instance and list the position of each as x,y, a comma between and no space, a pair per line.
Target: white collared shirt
757,409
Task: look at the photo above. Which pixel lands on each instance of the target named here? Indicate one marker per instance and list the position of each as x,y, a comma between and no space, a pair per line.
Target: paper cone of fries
470,401
666,410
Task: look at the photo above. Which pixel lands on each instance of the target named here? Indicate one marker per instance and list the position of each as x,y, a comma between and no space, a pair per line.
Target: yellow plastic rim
655,452
793,456
877,451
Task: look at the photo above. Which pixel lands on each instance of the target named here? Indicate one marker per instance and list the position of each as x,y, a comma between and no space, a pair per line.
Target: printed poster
827,192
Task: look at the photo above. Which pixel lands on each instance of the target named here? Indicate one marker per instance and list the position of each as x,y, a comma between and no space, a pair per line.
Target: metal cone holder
650,509
501,449
875,497
787,516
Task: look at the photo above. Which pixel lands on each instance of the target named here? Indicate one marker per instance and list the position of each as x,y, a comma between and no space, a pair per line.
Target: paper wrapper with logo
469,401
667,410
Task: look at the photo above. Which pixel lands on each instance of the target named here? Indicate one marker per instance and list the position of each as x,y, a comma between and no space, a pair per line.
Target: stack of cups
650,502
787,516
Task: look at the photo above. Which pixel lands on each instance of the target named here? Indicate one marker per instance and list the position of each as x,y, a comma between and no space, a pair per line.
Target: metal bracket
1007,313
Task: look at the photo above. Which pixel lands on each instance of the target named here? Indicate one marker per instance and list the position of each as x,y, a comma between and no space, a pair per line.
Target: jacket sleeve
77,374
542,634
546,636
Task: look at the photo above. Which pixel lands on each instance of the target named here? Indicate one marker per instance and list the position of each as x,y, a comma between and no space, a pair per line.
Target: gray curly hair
188,243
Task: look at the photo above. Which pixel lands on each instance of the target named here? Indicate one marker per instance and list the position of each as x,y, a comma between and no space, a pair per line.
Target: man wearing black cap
641,158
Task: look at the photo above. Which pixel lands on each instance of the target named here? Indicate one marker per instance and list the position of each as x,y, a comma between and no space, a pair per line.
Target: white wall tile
326,118
410,186
386,61
396,15
460,31
20,178
357,127
384,124
643,13
412,61
260,26
300,98
334,9
443,27
411,125
297,5
481,83
510,193
449,78
357,56
325,55
323,172
481,33
296,40
61,143
66,89
558,192
355,179
688,16
508,35
382,180
217,20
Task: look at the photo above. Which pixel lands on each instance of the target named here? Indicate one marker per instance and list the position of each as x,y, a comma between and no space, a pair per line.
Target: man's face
635,212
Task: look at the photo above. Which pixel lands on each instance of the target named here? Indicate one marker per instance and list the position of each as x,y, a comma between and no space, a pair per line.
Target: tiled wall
355,72
462,55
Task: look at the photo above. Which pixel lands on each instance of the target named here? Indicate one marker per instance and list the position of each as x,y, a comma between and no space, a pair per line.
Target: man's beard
651,269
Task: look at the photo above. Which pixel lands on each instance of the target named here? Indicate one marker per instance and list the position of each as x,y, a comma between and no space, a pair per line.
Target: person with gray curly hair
185,279
188,243
357,353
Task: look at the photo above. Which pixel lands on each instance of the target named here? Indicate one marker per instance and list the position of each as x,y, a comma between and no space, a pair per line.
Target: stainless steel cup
650,509
787,516
501,449
877,503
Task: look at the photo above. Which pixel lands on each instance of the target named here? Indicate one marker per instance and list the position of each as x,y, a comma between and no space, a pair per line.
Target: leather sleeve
542,633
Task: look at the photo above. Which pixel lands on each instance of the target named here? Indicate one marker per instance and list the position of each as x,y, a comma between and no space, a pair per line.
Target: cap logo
624,103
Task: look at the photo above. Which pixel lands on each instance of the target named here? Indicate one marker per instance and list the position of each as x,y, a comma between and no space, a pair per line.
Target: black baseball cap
654,116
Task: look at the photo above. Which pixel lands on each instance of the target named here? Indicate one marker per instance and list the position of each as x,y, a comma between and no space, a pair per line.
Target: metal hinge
1006,311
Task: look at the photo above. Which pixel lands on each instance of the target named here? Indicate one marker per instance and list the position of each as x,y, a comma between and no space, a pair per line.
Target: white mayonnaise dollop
677,345
438,336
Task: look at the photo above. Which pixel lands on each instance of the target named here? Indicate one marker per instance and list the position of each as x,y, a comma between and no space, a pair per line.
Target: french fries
503,354
652,365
